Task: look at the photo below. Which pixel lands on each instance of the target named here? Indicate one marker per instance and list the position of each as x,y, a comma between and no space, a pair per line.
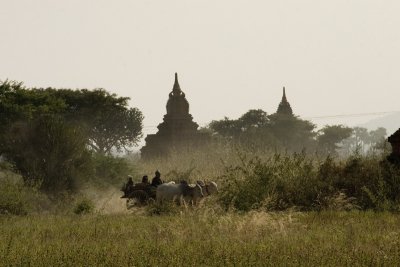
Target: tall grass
297,181
250,179
254,180
203,238
254,220
16,198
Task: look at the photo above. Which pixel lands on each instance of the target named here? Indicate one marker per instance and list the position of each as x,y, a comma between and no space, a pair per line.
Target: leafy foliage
106,119
283,182
48,153
46,133
330,137
12,198
256,128
108,122
84,206
109,170
365,142
16,198
286,132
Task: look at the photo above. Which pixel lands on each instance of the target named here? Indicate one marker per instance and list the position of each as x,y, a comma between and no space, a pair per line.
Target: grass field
202,237
269,231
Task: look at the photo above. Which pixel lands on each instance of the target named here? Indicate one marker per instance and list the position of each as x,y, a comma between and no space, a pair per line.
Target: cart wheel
130,203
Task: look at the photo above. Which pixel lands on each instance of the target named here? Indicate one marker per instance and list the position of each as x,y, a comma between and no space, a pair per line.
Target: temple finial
284,95
284,107
177,89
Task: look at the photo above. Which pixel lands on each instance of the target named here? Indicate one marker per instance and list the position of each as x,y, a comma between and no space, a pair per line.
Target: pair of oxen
181,192
189,193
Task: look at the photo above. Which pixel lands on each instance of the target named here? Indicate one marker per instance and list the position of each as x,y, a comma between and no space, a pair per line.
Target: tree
254,118
277,131
226,127
106,119
364,141
361,137
292,133
17,104
46,133
330,137
48,152
109,123
378,140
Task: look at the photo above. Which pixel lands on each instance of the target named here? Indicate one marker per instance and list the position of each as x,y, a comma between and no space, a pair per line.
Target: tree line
57,137
286,132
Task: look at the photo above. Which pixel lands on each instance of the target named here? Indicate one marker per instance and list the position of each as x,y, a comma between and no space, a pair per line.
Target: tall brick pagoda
177,129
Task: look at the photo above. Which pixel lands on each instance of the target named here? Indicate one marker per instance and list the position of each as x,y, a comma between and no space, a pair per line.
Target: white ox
209,188
176,192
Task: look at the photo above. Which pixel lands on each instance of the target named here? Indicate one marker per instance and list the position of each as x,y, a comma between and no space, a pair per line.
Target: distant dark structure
177,131
284,107
394,140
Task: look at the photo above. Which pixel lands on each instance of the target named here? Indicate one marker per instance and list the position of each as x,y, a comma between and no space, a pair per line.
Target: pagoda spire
284,95
176,89
284,107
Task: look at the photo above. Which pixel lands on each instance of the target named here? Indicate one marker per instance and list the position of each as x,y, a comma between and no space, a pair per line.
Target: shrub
84,206
283,182
49,153
16,198
109,169
278,183
11,200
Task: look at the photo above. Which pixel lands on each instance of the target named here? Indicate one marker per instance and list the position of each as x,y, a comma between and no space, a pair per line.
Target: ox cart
138,194
144,193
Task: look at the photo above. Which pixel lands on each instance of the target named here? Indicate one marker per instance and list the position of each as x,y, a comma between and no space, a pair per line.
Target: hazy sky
333,57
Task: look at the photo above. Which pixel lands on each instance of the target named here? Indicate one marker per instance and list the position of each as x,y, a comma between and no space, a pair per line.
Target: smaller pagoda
394,140
284,107
178,130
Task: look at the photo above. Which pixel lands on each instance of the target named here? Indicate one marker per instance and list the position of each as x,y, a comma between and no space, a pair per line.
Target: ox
209,188
171,191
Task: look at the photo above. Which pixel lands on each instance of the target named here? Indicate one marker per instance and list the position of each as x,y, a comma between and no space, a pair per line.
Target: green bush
11,200
84,206
49,153
109,169
283,182
276,184
16,198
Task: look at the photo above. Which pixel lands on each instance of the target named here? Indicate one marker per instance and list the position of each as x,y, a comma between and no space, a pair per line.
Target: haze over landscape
304,176
337,57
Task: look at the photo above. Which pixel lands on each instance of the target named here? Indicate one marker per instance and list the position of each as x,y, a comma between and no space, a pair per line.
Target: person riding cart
128,187
157,179
140,192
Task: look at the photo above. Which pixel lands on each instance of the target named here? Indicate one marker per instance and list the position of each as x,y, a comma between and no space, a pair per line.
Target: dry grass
202,238
205,236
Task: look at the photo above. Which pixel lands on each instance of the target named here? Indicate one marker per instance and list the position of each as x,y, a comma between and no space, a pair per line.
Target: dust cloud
107,200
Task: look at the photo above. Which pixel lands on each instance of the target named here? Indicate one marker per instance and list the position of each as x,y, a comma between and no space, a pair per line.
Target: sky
334,57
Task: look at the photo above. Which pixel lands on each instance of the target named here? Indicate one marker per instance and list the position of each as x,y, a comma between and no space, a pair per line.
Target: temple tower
284,107
177,129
